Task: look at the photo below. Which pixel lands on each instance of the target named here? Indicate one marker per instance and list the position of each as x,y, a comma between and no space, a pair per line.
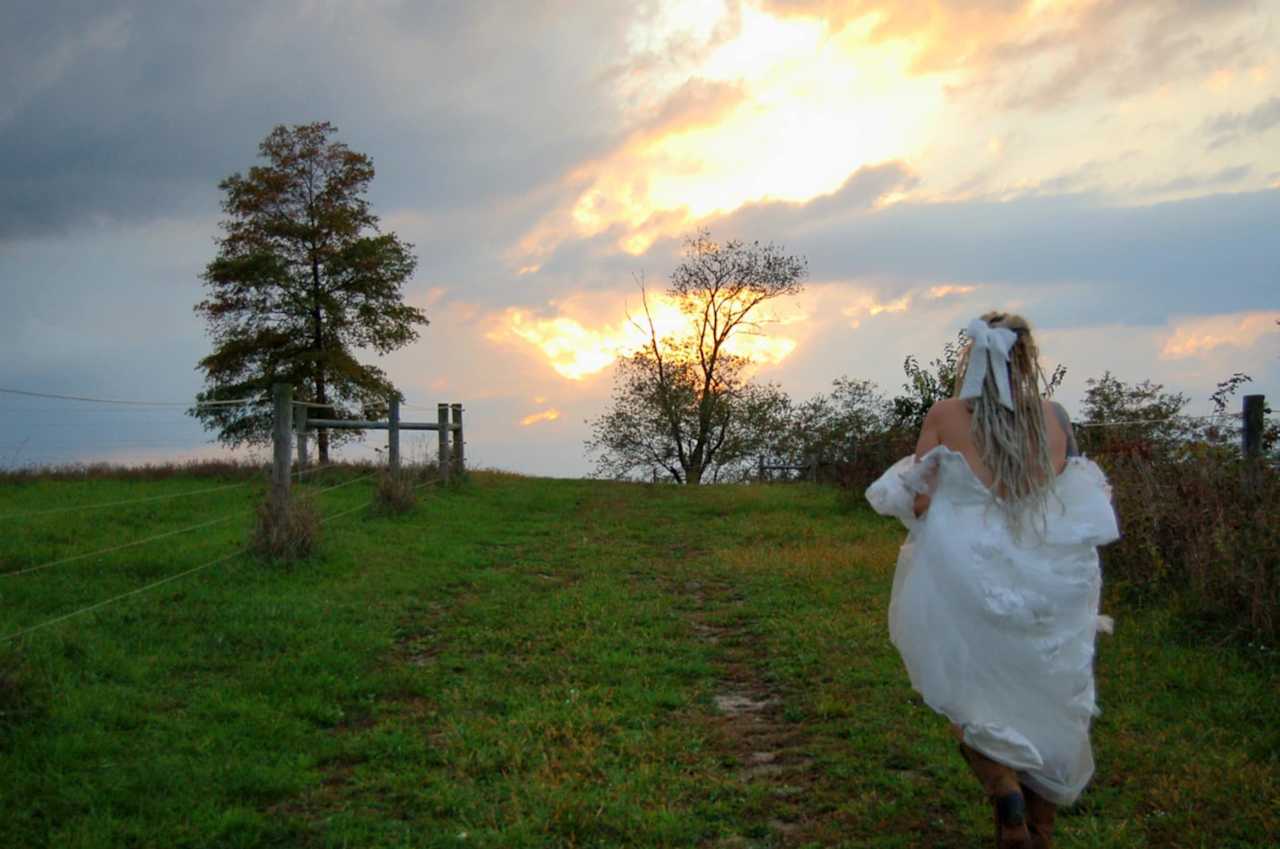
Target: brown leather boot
1040,816
1001,784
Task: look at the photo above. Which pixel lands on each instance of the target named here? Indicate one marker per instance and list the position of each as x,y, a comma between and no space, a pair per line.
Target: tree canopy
303,280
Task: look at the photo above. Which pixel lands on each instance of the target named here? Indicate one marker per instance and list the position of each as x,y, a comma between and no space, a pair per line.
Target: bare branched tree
684,403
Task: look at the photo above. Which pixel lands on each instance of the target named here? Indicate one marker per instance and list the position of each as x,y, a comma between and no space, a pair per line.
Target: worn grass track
523,663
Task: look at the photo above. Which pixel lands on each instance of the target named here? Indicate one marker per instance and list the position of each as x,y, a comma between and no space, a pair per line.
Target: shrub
287,536
394,494
1197,520
1200,530
867,460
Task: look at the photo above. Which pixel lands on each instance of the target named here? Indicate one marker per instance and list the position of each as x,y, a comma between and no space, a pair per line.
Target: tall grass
1199,527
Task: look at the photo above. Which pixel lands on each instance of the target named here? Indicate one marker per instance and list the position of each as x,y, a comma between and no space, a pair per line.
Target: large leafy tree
684,403
302,281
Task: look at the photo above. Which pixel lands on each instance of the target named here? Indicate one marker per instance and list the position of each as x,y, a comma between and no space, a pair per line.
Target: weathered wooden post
459,444
282,432
1254,405
442,431
300,429
393,435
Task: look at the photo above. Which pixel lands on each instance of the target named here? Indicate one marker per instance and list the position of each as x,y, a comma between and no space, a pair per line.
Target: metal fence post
282,432
459,444
393,435
442,454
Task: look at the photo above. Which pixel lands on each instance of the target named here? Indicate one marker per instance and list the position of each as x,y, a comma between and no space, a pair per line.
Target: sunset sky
1110,169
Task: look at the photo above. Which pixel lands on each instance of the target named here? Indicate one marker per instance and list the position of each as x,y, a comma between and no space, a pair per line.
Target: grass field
524,662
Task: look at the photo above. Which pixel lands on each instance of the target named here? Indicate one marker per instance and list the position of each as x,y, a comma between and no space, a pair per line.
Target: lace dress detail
997,629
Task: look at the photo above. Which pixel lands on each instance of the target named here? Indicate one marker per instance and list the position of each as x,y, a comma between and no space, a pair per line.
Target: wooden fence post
282,394
393,435
300,428
1254,406
442,453
1253,409
459,444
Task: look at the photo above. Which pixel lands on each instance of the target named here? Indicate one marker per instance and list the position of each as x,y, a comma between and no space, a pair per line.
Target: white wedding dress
997,629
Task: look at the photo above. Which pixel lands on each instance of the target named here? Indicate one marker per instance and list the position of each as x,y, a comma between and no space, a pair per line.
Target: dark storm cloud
136,110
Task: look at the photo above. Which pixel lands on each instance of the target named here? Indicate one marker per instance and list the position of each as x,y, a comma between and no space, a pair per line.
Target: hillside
524,662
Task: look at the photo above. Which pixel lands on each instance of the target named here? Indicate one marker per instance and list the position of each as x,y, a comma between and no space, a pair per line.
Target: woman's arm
930,438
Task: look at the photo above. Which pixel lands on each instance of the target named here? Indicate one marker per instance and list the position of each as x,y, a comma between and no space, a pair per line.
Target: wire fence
230,402
100,512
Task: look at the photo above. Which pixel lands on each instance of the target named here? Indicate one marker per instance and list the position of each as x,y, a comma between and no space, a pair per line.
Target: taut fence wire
230,402
448,423
210,563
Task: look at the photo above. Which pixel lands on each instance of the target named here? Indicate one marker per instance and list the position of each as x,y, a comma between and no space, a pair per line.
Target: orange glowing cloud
1199,336
728,103
783,109
937,293
868,305
865,304
577,344
549,415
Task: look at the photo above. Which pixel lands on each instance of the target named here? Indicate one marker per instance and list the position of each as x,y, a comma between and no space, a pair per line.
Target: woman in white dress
995,596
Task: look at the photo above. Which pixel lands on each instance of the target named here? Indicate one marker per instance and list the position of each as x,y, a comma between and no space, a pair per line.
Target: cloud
1195,336
1030,54
1092,259
548,415
948,291
1196,182
1228,127
857,134
583,335
866,304
775,108
136,111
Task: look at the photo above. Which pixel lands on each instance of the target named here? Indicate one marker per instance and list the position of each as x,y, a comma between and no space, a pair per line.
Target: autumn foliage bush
1200,524
1198,521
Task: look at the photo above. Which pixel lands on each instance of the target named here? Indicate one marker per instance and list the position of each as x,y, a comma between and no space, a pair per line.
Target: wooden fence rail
293,422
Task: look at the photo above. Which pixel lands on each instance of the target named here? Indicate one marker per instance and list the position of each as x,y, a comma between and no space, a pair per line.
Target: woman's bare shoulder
949,408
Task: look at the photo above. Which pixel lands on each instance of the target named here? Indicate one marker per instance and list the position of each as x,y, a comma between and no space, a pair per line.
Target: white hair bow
990,353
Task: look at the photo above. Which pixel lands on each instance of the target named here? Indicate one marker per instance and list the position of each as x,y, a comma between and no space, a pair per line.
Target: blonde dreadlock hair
1013,443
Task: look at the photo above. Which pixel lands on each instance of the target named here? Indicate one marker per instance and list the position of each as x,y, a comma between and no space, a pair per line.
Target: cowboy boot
1040,816
1001,784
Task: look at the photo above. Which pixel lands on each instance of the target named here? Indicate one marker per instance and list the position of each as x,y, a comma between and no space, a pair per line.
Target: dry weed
287,536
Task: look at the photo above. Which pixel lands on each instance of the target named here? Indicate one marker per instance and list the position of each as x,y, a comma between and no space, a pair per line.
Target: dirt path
750,724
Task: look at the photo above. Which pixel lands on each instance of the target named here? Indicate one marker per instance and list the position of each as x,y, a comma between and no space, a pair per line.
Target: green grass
523,662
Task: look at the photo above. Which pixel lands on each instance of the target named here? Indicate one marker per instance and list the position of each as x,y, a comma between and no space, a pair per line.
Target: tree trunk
317,342
322,436
693,475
